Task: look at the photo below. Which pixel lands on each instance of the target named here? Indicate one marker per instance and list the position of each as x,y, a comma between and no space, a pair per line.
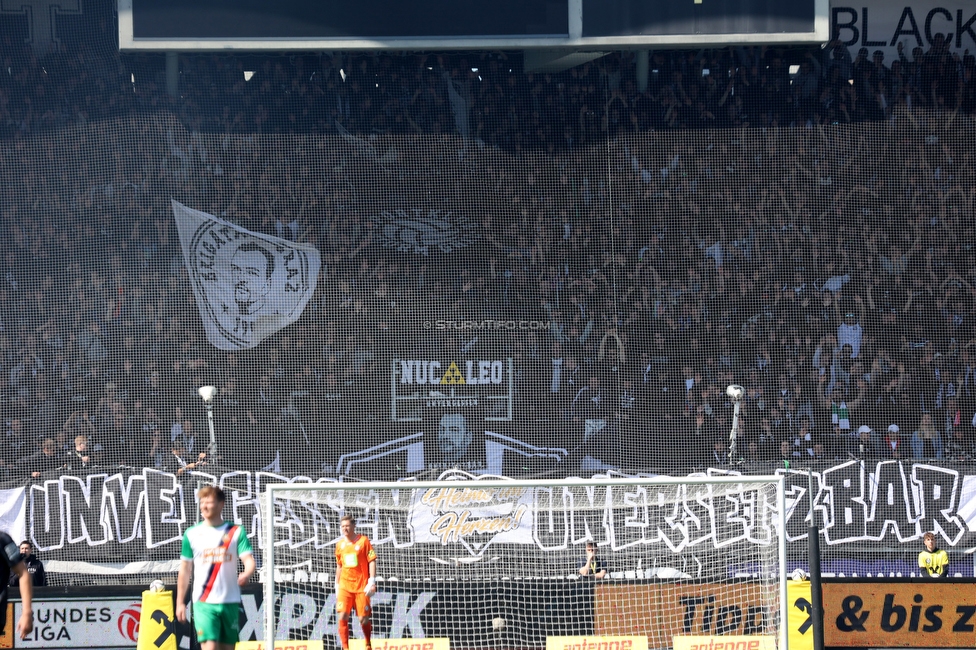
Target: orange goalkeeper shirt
354,558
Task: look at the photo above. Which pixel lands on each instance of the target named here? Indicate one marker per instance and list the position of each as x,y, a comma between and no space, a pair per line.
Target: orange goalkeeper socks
368,633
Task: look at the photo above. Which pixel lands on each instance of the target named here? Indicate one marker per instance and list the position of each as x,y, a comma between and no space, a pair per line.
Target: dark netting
526,274
461,544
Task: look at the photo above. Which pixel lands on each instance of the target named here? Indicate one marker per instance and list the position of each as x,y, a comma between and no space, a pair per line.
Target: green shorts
218,622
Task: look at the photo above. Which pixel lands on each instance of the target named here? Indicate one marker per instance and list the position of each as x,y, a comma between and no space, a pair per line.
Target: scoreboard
182,25
359,19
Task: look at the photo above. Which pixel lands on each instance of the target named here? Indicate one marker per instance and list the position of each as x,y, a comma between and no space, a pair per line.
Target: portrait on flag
247,285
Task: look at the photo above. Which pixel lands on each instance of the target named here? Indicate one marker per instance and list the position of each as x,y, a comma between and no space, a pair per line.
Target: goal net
497,563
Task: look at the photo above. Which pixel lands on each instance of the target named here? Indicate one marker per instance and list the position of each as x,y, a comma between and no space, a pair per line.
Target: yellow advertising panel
682,642
662,611
434,643
596,643
280,645
157,622
891,614
799,618
7,638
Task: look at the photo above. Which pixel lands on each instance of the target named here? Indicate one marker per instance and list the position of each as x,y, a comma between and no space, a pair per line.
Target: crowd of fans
827,268
484,95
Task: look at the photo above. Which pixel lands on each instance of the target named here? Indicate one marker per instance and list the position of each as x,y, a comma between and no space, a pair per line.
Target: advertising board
900,614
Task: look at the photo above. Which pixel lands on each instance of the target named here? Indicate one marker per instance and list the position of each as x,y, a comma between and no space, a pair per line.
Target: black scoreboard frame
310,25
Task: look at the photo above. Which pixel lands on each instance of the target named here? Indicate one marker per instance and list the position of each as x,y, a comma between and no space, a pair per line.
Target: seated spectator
589,406
753,453
819,453
156,455
45,459
78,424
926,440
785,453
80,456
840,413
866,445
893,445
952,416
15,442
719,454
959,447
178,462
803,440
118,440
181,430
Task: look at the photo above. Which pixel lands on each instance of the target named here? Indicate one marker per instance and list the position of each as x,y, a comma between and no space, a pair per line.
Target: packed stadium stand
796,220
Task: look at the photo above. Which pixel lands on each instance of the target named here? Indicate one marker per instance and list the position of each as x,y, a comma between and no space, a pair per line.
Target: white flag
247,285
13,513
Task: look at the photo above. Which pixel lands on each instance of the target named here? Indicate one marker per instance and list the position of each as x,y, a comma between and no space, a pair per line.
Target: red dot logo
129,622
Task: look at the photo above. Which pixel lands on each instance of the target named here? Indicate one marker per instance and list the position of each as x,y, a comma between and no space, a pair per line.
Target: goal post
495,563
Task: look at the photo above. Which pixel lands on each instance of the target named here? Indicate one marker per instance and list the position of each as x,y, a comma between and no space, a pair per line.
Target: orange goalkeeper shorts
348,602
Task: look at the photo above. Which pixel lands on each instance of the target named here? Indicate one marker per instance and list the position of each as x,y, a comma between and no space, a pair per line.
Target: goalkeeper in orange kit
355,580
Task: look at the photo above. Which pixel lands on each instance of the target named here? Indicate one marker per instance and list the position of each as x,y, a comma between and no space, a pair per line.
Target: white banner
473,518
881,25
13,518
247,285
